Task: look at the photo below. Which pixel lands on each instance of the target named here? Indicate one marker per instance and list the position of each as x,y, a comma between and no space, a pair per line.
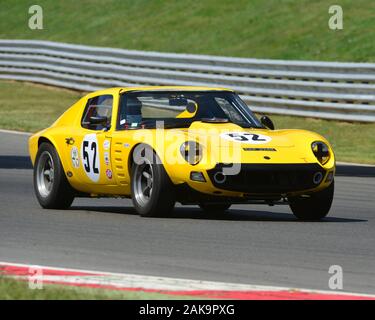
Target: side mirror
267,122
99,120
191,107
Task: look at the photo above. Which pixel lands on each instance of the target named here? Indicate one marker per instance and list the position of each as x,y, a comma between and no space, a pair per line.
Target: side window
229,111
100,106
137,108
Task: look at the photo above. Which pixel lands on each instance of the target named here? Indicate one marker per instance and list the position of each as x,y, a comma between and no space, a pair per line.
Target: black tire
213,208
60,195
160,200
314,208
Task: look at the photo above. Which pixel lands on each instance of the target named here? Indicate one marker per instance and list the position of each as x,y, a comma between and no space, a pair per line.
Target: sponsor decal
106,144
69,141
90,157
246,137
74,154
106,158
108,174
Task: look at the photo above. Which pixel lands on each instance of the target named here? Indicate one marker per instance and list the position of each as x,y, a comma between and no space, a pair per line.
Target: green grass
30,107
281,29
352,142
19,290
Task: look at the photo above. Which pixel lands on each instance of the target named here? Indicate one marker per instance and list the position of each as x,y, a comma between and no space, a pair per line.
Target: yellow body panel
114,149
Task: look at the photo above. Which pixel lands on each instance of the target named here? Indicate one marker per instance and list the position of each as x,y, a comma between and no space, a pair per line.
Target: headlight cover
321,151
191,151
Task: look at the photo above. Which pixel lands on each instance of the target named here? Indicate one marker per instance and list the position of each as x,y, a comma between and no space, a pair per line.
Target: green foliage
19,290
280,29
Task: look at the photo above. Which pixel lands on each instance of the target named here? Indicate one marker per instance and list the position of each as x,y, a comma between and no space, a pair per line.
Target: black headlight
321,151
191,151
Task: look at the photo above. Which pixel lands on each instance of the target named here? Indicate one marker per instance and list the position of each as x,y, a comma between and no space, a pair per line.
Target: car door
90,144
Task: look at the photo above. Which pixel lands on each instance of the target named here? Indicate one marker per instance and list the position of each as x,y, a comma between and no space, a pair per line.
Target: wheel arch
50,140
44,139
131,158
169,169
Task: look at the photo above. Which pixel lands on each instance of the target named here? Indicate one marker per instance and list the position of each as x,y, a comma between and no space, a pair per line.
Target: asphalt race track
251,244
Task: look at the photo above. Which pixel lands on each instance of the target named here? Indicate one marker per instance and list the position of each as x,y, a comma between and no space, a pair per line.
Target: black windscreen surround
181,108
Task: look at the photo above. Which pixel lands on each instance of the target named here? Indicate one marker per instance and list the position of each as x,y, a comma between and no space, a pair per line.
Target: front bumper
269,178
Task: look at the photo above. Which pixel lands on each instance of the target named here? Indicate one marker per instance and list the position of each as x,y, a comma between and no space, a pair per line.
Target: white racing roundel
246,137
90,156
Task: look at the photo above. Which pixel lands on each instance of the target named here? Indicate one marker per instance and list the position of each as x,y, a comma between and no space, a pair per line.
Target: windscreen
180,109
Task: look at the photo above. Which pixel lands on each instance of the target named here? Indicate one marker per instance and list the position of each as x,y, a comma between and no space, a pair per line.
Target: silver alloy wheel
143,183
45,174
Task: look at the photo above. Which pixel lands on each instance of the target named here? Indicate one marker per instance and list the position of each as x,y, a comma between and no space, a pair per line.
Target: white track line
121,280
16,132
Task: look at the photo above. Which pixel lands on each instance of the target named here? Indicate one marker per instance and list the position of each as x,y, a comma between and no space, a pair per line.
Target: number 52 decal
90,156
246,137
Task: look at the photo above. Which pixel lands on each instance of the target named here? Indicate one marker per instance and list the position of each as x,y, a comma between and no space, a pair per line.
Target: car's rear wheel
51,186
315,207
213,208
153,192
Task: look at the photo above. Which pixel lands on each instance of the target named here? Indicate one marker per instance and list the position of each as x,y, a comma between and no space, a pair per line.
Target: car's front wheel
51,186
315,207
152,191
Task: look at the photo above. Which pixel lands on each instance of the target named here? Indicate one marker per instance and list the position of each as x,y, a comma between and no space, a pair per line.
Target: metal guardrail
328,90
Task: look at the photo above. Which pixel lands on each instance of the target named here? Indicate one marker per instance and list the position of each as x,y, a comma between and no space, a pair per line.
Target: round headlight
321,151
191,151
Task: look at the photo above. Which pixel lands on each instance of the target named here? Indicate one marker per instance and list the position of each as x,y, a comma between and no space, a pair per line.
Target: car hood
230,143
232,135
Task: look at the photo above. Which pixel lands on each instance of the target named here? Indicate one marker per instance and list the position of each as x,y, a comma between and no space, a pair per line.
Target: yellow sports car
193,145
